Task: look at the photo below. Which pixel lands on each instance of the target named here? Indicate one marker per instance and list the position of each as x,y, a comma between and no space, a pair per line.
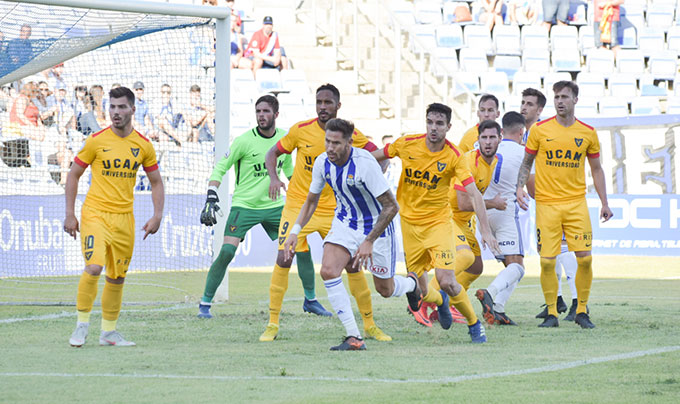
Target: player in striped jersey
362,233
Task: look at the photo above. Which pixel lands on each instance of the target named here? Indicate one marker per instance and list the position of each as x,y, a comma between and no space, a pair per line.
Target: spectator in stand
97,93
24,116
20,50
607,23
555,10
201,118
237,39
523,12
490,12
141,120
264,49
46,104
54,76
83,110
65,140
169,120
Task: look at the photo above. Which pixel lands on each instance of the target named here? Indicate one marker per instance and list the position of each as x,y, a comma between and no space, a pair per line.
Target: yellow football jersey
115,162
426,178
560,157
469,140
310,141
481,172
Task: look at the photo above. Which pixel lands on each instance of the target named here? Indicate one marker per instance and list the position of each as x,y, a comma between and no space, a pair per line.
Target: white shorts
506,228
384,248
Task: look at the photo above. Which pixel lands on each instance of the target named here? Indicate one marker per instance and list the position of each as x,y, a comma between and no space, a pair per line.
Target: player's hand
275,186
499,202
522,198
289,247
71,225
152,226
364,256
211,209
606,213
490,242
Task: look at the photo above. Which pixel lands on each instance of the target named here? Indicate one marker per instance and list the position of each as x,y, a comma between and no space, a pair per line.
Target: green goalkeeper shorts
243,219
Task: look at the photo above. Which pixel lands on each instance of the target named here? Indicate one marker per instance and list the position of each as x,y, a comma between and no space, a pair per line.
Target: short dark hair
487,97
123,92
512,119
195,88
341,125
331,88
532,92
271,100
558,86
489,124
440,108
382,139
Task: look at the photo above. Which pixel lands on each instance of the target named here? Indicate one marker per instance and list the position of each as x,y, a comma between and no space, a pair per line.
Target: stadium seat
623,86
447,56
495,83
295,81
552,78
590,84
586,107
449,36
428,12
649,88
563,37
628,36
586,40
535,37
645,106
507,64
268,79
577,13
663,65
676,85
294,100
468,79
536,61
673,105
524,80
513,103
426,37
651,40
474,60
673,39
660,15
478,37
404,11
506,40
630,61
613,107
600,61
566,60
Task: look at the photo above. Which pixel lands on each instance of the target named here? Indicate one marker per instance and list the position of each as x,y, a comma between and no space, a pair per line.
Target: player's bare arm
306,213
275,183
70,221
600,187
523,178
390,207
465,202
480,210
158,200
379,154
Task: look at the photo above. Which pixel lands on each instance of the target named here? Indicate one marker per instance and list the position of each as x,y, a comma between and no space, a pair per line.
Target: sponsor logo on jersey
135,151
379,270
578,141
508,242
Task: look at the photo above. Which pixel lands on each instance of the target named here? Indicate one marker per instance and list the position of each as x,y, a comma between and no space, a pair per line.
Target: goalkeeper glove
208,214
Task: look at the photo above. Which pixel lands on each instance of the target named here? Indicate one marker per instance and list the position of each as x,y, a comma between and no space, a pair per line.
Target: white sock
558,271
570,265
402,285
337,294
504,284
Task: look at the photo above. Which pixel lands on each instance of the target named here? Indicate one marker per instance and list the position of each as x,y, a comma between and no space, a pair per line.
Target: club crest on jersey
282,240
578,141
441,166
232,228
135,151
88,255
350,180
462,238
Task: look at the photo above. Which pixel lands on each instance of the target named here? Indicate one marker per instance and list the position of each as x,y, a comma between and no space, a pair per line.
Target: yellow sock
465,279
433,295
549,284
87,291
362,294
434,284
583,280
463,260
112,299
277,288
462,302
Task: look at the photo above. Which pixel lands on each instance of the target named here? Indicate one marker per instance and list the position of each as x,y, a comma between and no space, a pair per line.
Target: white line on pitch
64,314
455,379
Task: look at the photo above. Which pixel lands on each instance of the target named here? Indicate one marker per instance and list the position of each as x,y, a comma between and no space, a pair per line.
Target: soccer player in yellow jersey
560,146
487,109
107,228
308,138
429,164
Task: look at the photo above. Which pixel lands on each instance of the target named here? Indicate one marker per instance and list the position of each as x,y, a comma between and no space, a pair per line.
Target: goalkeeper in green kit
251,204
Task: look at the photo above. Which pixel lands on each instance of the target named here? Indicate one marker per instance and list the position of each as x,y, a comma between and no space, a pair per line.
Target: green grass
181,359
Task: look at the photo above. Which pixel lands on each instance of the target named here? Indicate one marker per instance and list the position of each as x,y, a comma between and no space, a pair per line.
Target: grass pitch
632,356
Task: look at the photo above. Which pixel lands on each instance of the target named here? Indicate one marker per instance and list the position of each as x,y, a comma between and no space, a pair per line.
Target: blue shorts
615,34
555,10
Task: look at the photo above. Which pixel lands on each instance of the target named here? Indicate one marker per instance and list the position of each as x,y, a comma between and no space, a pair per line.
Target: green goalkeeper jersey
247,153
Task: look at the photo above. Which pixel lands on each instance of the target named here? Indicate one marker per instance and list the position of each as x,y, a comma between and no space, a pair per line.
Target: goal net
57,65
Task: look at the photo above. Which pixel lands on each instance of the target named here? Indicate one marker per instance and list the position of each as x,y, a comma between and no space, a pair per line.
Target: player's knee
464,259
95,270
329,272
384,290
282,261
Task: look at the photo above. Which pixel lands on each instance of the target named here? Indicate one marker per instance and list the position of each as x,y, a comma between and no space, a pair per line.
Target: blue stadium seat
590,84
478,37
535,37
428,12
495,83
295,81
623,86
649,88
651,40
448,57
506,40
449,36
552,78
673,105
536,61
673,39
468,79
660,15
663,65
645,106
524,80
586,107
268,79
613,107
508,65
563,37
586,39
600,61
566,60
474,60
630,61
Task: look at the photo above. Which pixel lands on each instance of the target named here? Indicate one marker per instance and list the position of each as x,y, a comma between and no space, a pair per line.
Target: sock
112,299
558,271
362,294
277,288
402,285
502,287
465,279
217,271
583,280
337,295
433,295
305,267
549,284
463,259
462,302
87,291
569,264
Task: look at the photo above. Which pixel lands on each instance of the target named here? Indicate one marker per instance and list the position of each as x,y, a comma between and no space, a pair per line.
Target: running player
107,233
362,227
307,137
429,165
487,109
250,204
560,146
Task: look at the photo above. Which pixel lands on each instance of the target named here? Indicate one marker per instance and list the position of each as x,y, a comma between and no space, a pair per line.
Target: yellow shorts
428,246
468,229
570,218
107,239
320,223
